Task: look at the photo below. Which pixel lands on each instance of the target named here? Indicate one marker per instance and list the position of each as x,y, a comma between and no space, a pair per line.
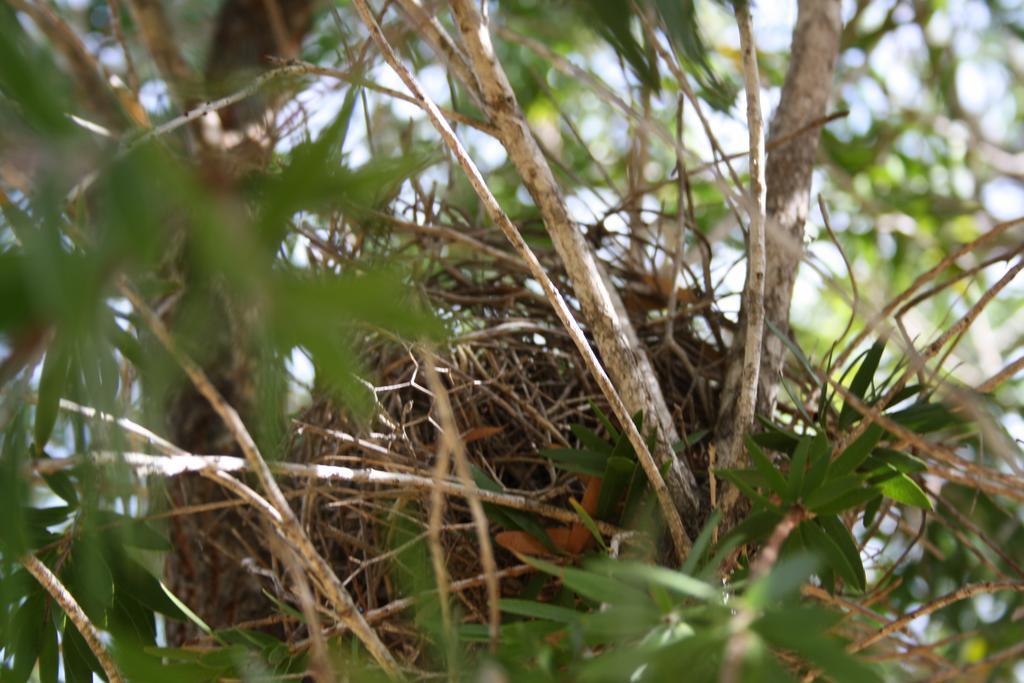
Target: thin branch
76,614
453,442
963,593
753,289
175,465
159,38
921,280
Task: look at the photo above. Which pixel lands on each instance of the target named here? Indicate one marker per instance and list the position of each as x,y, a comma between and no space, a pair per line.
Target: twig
435,517
125,424
995,380
753,289
453,442
76,614
963,593
921,281
159,38
680,540
175,465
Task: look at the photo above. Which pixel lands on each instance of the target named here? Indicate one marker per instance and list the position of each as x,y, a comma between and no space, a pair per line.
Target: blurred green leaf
578,460
773,478
861,381
591,440
588,522
903,489
617,476
540,610
830,551
675,581
51,385
857,452
804,631
591,585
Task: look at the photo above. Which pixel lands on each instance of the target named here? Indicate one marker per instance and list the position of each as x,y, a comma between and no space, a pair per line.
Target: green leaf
606,422
822,543
847,501
578,460
675,581
588,522
700,546
591,585
858,451
745,481
51,386
804,631
508,518
591,440
49,653
925,418
861,381
184,609
134,532
540,610
617,475
680,18
902,462
133,578
820,457
755,527
903,489
776,439
796,351
871,509
798,469
773,477
784,580
27,626
612,19
842,537
833,489
61,484
79,661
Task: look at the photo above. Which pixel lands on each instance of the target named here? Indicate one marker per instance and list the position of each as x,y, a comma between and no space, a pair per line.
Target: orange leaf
478,433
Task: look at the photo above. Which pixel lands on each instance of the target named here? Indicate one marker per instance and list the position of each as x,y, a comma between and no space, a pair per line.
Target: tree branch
805,95
48,580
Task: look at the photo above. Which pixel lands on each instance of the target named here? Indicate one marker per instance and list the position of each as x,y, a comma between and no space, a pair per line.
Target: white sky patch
1003,198
154,96
894,56
300,367
774,23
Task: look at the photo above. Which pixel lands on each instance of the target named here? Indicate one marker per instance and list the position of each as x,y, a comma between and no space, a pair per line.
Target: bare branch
453,442
175,465
76,614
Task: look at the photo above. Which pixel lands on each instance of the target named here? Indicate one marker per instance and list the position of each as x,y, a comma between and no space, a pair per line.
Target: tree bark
805,95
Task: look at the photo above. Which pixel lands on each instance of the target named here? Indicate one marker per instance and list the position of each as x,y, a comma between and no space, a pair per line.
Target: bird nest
516,386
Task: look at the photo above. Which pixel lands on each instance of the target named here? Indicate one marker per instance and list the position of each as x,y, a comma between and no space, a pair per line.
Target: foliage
886,482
